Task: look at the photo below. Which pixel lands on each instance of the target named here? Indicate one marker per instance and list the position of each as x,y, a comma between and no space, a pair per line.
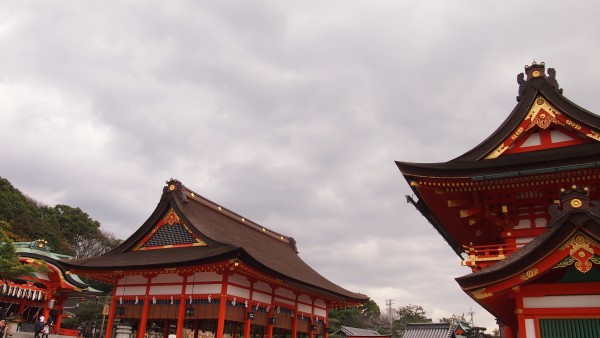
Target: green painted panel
570,328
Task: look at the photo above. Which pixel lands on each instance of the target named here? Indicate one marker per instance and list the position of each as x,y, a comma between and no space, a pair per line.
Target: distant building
522,210
429,330
44,293
195,268
353,332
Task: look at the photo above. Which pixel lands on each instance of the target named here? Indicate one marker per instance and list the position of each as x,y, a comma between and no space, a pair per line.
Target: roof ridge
185,194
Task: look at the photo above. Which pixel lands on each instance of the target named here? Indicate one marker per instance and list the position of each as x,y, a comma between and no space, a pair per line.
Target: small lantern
251,315
121,310
313,328
189,311
272,320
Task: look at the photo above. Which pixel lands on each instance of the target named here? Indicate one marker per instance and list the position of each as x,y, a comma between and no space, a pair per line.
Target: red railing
67,332
481,256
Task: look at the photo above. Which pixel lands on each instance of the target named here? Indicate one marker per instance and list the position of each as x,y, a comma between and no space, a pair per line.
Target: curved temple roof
187,229
545,137
482,160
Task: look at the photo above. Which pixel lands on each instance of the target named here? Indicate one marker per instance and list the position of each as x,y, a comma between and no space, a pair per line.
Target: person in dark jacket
39,326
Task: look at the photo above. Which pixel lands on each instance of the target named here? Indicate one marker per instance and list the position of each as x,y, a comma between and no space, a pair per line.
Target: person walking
46,330
2,326
39,326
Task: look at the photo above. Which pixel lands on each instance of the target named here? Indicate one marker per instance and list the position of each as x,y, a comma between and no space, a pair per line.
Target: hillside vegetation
68,230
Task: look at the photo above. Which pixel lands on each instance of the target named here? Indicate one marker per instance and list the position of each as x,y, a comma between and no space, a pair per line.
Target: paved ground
21,334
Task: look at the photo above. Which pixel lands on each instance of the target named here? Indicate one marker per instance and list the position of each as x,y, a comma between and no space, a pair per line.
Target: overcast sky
290,113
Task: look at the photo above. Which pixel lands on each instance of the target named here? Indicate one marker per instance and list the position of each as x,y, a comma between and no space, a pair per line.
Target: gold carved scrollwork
481,294
573,125
593,134
517,133
529,274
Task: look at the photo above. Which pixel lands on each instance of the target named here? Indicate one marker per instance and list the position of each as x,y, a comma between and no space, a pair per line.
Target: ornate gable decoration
545,127
582,252
169,232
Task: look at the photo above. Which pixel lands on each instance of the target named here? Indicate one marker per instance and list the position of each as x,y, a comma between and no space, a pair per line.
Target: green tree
68,230
73,223
88,315
453,319
18,210
478,332
408,314
366,316
10,267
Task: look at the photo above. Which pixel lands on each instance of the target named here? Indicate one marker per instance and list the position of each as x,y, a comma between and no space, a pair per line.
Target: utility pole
471,313
388,303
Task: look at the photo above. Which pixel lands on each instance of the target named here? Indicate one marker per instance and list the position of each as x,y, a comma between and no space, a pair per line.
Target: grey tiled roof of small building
429,330
353,331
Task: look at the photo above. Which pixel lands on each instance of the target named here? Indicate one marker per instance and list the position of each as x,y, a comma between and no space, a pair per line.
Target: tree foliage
68,230
366,316
408,314
478,332
10,267
95,243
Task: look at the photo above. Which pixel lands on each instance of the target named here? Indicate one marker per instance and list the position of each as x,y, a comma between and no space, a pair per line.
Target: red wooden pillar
222,305
60,304
181,315
181,311
311,322
295,318
146,307
144,320
270,325
326,321
111,313
21,308
248,321
295,321
508,332
519,311
46,311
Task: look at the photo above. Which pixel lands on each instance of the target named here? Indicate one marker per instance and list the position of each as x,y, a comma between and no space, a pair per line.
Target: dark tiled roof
356,332
226,234
429,330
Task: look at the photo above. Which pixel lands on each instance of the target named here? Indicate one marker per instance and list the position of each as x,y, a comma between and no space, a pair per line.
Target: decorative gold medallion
172,187
529,274
576,203
536,73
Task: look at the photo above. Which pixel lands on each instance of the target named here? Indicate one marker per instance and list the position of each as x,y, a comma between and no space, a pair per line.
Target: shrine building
522,210
45,292
197,269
